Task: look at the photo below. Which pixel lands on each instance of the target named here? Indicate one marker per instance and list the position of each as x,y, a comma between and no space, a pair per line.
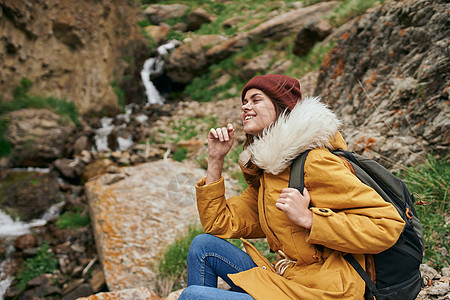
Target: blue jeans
211,257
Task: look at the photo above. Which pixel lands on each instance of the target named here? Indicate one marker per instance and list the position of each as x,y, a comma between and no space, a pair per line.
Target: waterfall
152,66
155,65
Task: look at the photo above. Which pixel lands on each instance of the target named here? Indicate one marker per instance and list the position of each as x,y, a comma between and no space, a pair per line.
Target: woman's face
258,112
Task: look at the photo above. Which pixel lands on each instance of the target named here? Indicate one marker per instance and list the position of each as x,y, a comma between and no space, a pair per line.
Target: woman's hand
295,206
220,141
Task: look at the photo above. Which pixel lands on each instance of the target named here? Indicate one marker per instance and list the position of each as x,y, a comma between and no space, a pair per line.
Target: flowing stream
10,229
155,65
152,66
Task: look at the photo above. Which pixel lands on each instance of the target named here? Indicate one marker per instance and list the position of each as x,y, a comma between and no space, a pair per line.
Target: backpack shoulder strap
296,175
369,283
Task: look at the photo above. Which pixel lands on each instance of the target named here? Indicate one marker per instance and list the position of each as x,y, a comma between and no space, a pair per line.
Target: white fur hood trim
311,124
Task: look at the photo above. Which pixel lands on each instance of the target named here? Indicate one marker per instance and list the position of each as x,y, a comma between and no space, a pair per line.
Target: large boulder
136,214
392,96
37,136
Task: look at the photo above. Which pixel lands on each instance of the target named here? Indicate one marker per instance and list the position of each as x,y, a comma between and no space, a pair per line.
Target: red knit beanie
283,88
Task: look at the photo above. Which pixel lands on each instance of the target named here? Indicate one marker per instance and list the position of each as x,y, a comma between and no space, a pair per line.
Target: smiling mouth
248,118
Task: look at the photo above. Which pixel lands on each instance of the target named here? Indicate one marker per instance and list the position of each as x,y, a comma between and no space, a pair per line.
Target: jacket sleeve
348,215
234,217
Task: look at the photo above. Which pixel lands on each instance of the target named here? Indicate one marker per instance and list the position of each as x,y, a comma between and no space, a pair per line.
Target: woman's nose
245,106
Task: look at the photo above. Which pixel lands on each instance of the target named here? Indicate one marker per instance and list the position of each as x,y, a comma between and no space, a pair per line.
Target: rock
427,271
156,13
97,280
42,291
181,67
439,289
233,21
280,67
70,169
27,195
256,65
81,144
174,295
135,218
393,97
42,279
158,33
309,35
196,18
26,241
445,272
37,136
80,291
308,84
140,293
41,40
96,168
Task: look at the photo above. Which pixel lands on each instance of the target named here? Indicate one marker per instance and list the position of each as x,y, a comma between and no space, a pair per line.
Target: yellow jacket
348,216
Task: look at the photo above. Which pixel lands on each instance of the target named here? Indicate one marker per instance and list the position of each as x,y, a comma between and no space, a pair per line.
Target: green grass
66,110
173,264
151,44
349,9
5,145
43,262
310,62
119,93
73,219
431,181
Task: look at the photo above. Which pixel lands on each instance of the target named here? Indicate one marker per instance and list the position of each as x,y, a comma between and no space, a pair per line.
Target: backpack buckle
409,213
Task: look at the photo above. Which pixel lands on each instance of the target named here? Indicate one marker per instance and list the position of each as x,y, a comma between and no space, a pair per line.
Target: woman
345,216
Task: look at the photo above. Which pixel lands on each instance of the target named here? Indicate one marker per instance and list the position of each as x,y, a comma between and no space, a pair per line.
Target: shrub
72,219
43,262
180,154
431,181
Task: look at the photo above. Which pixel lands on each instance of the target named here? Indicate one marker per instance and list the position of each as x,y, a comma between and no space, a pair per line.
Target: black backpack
397,268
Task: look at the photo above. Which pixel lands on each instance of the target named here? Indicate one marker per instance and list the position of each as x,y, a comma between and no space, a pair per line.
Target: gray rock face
392,96
37,135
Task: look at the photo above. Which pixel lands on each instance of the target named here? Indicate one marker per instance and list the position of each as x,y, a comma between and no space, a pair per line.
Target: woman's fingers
213,132
223,134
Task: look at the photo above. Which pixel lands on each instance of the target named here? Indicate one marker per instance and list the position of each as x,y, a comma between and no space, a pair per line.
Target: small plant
431,181
74,218
120,94
173,264
43,262
180,154
5,145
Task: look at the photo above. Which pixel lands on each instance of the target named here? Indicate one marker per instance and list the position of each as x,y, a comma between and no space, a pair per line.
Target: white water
10,227
155,65
101,137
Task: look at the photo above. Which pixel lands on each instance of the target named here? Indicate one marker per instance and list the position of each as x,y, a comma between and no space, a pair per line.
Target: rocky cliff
388,79
72,50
